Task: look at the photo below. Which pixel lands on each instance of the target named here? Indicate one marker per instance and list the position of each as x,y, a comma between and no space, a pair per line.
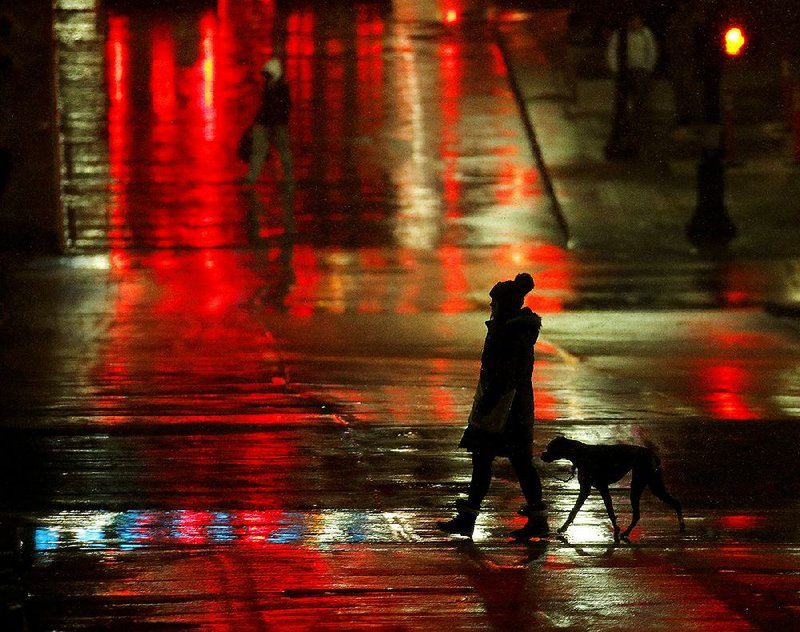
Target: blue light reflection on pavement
136,529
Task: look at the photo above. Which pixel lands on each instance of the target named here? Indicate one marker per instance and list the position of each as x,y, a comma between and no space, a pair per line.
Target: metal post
711,225
619,142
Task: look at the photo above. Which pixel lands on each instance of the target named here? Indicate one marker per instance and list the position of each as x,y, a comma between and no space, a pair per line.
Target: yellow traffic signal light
734,41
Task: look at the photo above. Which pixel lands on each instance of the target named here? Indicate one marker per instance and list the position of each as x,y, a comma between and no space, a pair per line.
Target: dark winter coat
506,363
275,104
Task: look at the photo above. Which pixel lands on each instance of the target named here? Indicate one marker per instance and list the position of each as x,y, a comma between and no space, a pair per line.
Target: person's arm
499,374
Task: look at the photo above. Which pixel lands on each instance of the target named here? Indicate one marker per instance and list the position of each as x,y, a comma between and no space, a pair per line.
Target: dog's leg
637,487
610,509
657,485
582,496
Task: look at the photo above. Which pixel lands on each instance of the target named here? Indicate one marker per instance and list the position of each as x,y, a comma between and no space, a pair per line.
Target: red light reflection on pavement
547,406
726,392
455,281
741,522
444,405
725,383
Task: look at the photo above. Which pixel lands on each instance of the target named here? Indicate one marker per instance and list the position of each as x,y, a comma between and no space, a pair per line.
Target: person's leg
259,152
529,480
283,145
531,486
481,479
464,522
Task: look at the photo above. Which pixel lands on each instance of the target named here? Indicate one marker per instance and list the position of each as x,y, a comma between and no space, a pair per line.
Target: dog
600,465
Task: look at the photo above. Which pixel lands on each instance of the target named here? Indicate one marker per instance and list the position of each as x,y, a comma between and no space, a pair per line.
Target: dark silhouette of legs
464,522
637,487
610,509
582,496
657,486
531,486
529,480
481,478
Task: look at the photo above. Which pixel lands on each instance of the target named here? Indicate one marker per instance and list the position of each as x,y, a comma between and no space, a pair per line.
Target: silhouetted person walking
271,124
501,421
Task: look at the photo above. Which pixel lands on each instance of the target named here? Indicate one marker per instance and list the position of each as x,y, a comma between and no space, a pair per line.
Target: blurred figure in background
271,125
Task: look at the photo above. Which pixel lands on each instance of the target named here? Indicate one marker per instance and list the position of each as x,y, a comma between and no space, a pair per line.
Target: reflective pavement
237,409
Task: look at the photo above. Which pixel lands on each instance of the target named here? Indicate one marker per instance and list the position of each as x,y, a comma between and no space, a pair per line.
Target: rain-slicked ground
213,421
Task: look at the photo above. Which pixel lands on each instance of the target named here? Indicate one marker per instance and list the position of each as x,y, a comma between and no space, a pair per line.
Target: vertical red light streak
118,55
119,133
208,29
333,81
300,49
369,89
442,400
451,68
455,279
162,73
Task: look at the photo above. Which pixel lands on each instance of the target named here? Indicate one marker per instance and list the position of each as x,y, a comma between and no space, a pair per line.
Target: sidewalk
635,209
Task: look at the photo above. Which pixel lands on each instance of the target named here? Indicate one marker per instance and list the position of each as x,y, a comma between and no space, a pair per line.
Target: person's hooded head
272,69
508,297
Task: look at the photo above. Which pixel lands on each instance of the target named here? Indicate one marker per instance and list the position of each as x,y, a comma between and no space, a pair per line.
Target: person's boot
463,523
536,527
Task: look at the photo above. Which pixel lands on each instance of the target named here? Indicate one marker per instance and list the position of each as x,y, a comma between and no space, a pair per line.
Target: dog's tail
656,461
641,439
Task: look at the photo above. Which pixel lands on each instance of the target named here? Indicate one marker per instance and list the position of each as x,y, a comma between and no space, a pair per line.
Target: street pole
711,225
619,141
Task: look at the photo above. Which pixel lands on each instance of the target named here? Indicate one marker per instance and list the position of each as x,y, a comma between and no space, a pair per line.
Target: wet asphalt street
237,408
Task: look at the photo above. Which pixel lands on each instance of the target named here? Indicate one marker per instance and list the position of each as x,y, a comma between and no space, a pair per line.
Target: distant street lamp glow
734,41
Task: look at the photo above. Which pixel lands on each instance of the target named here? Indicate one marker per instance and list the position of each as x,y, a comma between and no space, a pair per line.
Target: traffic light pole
711,225
619,141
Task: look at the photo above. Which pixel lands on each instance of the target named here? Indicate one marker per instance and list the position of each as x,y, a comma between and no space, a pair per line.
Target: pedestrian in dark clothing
501,421
271,125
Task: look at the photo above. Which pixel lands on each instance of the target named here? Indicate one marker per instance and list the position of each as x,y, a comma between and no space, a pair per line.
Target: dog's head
559,448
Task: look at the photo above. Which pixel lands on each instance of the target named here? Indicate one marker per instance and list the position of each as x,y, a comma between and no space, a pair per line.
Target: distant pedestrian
684,56
501,421
271,125
642,55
